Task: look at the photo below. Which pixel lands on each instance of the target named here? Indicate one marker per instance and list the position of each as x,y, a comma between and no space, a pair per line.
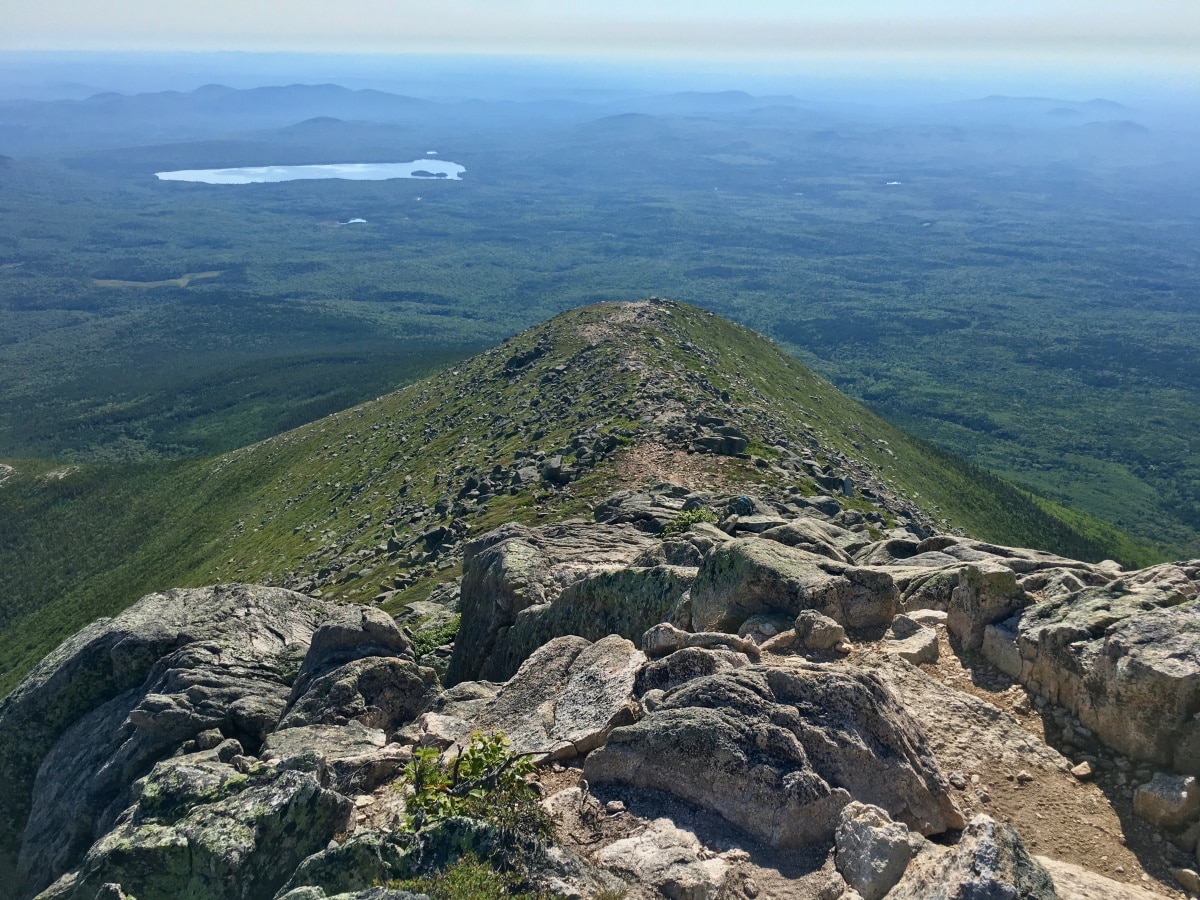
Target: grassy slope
89,544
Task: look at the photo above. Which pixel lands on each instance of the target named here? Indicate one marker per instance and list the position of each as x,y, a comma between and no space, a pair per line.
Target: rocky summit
741,630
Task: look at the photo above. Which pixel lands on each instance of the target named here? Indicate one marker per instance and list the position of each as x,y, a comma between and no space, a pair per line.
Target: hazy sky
1156,33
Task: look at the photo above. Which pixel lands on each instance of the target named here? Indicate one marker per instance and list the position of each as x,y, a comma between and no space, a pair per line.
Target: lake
419,168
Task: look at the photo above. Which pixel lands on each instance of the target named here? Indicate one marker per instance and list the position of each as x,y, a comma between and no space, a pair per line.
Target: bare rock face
123,693
687,664
872,850
817,632
664,639
360,667
624,602
515,568
975,734
568,696
988,863
351,759
1125,660
197,831
911,641
985,593
1169,800
381,692
815,536
667,859
752,576
780,752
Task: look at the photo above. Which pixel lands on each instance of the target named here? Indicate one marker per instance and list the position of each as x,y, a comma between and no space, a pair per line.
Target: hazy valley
864,566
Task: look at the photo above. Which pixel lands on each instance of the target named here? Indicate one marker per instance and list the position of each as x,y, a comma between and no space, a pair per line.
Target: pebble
958,780
1083,771
614,807
1024,777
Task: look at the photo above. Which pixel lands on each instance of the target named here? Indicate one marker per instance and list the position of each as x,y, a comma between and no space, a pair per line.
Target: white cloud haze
1150,32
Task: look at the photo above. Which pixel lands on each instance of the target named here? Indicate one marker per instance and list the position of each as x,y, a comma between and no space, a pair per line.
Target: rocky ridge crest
742,689
749,661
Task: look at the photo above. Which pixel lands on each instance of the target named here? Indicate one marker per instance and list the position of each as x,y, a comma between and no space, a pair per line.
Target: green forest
1020,295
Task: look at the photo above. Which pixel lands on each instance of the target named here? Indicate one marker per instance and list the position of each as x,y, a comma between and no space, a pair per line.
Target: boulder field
786,702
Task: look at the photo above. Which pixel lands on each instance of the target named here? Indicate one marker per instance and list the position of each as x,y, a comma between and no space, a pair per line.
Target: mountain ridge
373,504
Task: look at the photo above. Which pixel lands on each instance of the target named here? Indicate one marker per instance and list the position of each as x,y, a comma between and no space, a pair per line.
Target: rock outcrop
122,694
515,570
873,851
751,576
989,861
212,674
1124,659
788,679
567,698
780,752
667,860
196,831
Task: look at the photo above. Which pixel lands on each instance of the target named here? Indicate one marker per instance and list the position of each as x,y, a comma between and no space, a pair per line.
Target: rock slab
780,752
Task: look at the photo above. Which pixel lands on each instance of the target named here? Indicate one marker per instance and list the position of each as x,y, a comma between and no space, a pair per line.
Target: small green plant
484,781
687,519
469,878
425,640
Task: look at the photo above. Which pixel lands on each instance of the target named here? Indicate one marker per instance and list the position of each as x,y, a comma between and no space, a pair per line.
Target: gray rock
649,512
123,693
779,752
924,588
817,632
667,859
972,734
887,553
985,593
352,759
567,697
467,699
370,857
378,691
1000,646
930,618
1188,879
686,665
763,627
989,862
514,568
1168,800
1073,882
724,444
438,730
757,524
814,536
911,641
624,602
872,850
665,638
1125,662
191,836
749,576
351,633
823,504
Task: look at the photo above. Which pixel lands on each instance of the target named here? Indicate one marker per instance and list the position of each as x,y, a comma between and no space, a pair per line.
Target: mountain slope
375,502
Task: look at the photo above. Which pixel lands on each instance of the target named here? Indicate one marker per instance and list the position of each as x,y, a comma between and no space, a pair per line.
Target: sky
1162,34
